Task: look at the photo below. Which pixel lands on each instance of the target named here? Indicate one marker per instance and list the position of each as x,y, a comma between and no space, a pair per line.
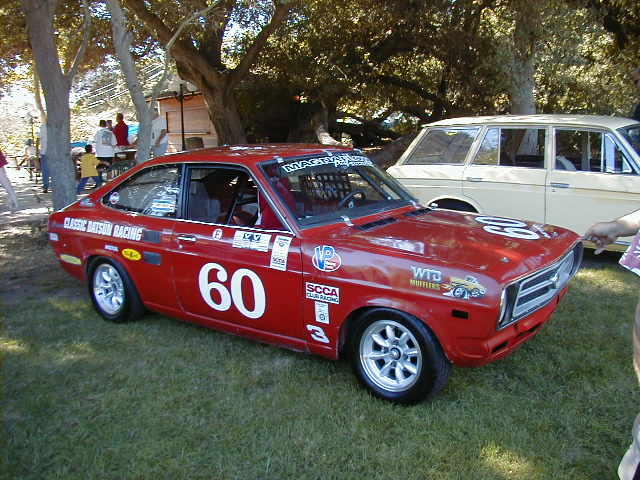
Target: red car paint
448,269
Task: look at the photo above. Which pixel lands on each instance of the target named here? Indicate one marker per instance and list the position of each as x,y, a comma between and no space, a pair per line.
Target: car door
135,225
432,168
229,271
507,175
593,179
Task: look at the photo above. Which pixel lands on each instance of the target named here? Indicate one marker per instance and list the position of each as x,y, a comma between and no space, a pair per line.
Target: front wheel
113,293
397,358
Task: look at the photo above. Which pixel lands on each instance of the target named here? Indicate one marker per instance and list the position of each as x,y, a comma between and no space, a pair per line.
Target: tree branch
86,34
238,73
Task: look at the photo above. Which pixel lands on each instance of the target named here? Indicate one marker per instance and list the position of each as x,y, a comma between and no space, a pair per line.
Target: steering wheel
351,196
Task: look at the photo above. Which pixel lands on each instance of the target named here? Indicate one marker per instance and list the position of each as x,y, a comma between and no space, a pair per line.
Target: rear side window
512,147
443,146
153,191
589,151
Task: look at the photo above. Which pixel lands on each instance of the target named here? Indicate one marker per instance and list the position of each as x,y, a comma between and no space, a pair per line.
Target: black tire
381,368
112,292
459,292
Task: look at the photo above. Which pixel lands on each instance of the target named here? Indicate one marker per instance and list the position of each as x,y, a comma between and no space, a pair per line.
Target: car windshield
323,189
632,135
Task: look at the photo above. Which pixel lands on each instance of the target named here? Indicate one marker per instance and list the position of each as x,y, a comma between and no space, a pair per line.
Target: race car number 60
507,227
235,297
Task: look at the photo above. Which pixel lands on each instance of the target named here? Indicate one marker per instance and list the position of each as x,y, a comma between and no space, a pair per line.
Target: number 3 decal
235,297
507,227
317,333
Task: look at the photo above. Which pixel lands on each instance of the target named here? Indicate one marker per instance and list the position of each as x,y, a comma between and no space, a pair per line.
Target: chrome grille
537,290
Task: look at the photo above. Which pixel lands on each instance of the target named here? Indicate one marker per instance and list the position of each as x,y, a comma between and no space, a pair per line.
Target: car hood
462,240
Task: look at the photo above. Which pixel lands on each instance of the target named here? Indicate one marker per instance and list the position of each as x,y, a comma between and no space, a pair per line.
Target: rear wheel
113,293
397,358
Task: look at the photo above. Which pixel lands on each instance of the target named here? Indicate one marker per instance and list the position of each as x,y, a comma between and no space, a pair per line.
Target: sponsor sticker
326,259
53,237
335,160
131,254
428,278
107,229
252,241
70,259
114,198
217,234
111,248
322,312
322,293
466,288
280,253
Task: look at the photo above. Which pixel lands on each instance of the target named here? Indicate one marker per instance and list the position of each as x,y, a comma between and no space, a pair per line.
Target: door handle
187,238
474,179
559,185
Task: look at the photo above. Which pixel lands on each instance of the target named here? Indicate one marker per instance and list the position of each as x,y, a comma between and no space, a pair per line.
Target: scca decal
323,293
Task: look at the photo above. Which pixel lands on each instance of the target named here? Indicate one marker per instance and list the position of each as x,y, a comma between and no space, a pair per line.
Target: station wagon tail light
534,291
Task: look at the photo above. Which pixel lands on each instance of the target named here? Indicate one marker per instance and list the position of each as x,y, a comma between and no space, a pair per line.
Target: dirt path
29,269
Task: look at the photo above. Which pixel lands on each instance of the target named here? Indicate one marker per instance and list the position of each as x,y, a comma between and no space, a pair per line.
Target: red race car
316,249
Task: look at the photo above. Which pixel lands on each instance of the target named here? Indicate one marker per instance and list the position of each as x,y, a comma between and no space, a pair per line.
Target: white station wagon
566,170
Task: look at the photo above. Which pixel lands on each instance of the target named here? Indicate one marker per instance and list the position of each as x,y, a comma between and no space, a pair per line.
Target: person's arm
605,233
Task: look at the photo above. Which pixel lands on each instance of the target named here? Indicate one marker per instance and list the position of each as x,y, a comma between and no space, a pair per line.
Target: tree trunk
122,43
224,115
390,153
55,85
523,65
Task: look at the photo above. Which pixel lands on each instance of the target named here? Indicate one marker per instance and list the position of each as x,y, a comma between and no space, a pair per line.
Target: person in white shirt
105,142
159,137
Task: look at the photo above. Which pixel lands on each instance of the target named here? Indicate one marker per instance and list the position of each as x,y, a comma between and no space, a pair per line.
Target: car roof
541,119
249,154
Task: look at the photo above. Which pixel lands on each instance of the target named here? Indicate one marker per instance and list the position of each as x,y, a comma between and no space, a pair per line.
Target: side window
443,146
512,147
589,151
153,191
227,196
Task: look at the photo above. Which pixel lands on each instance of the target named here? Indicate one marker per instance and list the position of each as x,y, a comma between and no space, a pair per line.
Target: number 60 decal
235,297
507,227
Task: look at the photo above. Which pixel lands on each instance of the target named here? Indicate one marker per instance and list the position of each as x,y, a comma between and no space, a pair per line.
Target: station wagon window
443,146
589,151
632,135
228,196
152,191
512,147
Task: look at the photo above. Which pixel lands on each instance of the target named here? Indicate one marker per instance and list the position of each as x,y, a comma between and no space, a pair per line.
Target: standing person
88,169
602,234
635,76
30,154
159,137
105,142
4,181
44,162
121,131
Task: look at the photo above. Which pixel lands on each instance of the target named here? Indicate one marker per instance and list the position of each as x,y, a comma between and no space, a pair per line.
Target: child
88,164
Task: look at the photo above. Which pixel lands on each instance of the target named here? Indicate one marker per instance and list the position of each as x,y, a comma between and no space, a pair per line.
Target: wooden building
196,121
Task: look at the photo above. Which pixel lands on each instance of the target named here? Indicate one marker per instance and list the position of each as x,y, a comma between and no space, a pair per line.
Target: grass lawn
85,399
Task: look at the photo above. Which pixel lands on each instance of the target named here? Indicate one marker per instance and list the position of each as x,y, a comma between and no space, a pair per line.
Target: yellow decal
131,254
70,259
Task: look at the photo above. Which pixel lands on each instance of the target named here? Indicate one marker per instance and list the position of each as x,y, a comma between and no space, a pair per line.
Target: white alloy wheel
390,355
108,289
